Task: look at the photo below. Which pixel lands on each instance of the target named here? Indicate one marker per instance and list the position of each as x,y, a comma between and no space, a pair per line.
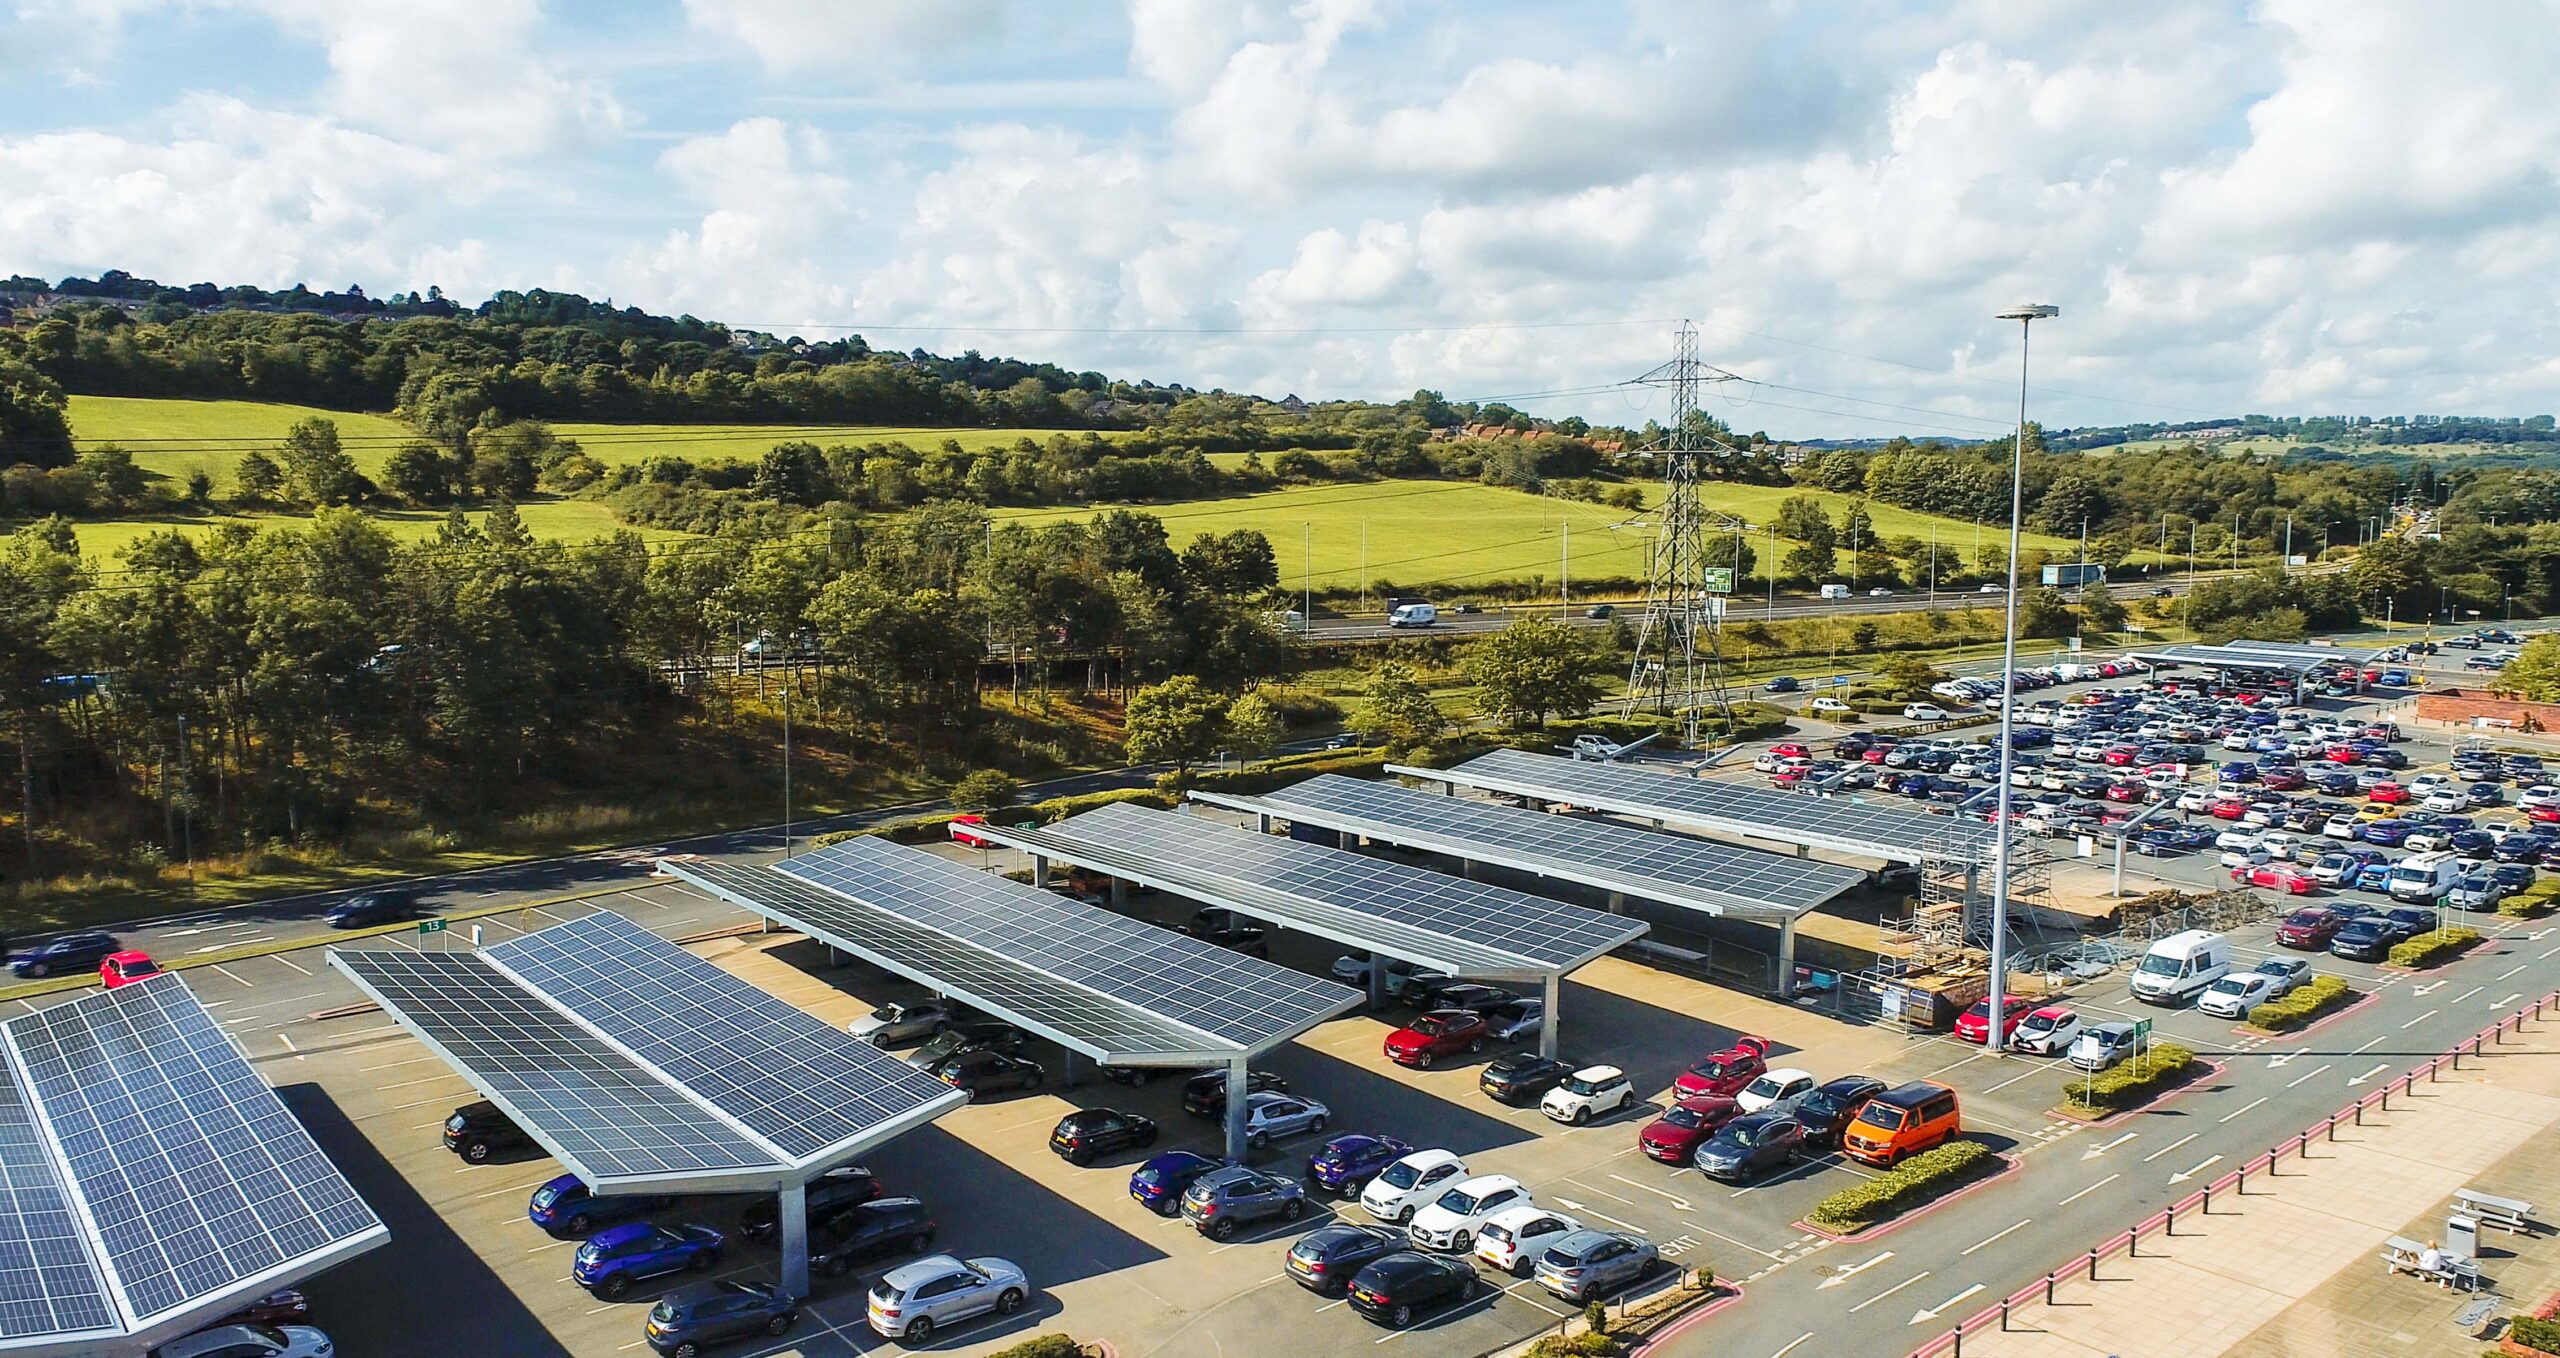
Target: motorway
1740,608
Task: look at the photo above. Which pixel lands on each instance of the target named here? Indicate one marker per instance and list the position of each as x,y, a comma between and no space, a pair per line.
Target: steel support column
1040,870
1237,1094
795,1241
1787,958
1548,1020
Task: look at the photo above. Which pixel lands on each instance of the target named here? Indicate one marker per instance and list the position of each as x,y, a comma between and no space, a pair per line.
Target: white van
2424,876
2179,967
1413,615
1835,591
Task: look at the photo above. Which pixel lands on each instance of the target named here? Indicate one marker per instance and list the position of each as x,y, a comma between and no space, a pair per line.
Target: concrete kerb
2315,1025
1952,1341
56,984
1896,1222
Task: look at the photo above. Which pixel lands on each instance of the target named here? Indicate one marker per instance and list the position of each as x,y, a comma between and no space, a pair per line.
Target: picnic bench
2400,1255
2507,1214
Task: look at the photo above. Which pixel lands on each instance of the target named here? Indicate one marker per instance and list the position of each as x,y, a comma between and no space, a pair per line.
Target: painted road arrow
2428,989
1675,1199
1852,1271
2095,1151
2377,1070
2280,1062
2200,1167
1942,1307
2501,1004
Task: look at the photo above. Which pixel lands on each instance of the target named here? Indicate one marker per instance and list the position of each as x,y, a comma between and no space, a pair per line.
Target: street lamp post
1995,1043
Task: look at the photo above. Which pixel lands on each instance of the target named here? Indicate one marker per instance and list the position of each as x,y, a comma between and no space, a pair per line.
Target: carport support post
1548,1017
1237,1093
2119,886
1119,894
1040,870
795,1241
1787,958
1377,981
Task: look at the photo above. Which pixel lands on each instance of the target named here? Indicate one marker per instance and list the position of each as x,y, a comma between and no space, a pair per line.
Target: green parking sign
1719,579
431,926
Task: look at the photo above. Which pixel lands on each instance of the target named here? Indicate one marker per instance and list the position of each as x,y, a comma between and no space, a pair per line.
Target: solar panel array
599,1107
48,1283
795,1080
195,1175
1762,812
1656,866
1242,1000
2250,656
1540,934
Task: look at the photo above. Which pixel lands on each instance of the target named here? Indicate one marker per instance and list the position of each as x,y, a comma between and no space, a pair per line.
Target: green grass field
560,520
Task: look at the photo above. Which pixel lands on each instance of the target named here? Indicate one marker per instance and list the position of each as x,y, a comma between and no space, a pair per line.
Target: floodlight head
2030,312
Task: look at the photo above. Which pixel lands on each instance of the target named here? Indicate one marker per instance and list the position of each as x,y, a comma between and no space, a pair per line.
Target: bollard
2302,1147
1958,1350
2004,1322
2386,1098
2359,1112
2333,1126
2133,1243
2240,1181
2093,1266
2170,1227
2431,1069
2048,1289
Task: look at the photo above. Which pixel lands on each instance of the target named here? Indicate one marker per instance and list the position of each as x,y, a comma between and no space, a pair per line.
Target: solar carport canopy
643,1067
2270,656
1698,874
149,1180
1119,990
1730,808
1427,918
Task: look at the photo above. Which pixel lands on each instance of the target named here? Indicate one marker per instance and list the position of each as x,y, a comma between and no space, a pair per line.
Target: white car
2283,848
2196,802
1923,712
1587,1093
1402,1188
1449,1224
1776,1091
1766,763
1991,589
2236,994
2046,1032
2348,826
1513,1238
1831,705
2447,800
2540,794
2239,740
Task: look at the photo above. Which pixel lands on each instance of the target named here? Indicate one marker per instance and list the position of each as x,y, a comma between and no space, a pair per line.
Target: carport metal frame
1213,1051
1598,877
1307,914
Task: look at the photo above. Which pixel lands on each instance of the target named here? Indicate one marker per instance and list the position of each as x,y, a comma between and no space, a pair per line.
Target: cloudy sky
2293,206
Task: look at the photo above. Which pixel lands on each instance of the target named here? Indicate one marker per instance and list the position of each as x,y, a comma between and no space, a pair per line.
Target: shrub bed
2534,1332
2443,945
1044,1346
2533,900
1358,763
1910,1184
2132,1082
929,829
2306,1003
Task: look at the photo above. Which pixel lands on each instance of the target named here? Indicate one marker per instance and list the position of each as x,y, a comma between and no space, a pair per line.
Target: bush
2535,1333
2443,945
1044,1346
1056,809
985,790
1589,1344
1277,773
1905,1186
2309,1002
1300,707
2131,1082
2533,900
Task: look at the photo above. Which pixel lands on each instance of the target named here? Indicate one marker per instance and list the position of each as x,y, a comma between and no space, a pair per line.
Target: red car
1874,754
125,968
2543,815
2229,808
2312,929
1676,1135
1790,750
1726,1072
963,836
2389,794
1975,1022
2127,791
2283,778
2283,877
2121,755
2342,754
1442,1032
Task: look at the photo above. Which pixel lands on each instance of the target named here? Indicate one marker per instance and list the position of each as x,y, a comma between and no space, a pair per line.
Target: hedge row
2428,949
2535,1333
2127,1083
1910,1184
937,826
2533,900
1358,763
2306,1003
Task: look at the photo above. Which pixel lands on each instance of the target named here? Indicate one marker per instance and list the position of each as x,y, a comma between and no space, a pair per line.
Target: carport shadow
1651,1044
1363,1100
427,1281
984,1206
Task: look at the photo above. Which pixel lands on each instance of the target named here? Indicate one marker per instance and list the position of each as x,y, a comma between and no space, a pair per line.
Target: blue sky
2286,206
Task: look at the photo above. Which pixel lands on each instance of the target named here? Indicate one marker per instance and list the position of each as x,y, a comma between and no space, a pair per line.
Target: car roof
1426,1159
1486,1183
1600,1074
2048,1011
920,1272
1787,1073
1519,1212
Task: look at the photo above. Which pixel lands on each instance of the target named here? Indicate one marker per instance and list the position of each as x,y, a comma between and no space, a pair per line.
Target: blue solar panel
48,1283
196,1177
790,1077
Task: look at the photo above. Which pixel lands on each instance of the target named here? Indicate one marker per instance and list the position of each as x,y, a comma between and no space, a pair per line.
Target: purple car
1346,1164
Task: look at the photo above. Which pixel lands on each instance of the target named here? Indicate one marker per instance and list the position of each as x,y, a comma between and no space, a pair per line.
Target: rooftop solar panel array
1535,933
1765,813
794,1080
596,1105
48,1283
1679,868
2251,656
194,1175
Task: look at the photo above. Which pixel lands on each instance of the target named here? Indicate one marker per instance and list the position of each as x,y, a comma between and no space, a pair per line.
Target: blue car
371,907
2372,877
619,1257
1158,1185
2159,844
1346,1164
60,956
565,1208
2387,832
2511,876
2239,773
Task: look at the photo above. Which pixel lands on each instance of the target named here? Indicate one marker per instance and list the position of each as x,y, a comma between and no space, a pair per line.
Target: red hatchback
2126,791
2389,794
1442,1032
2229,808
1975,1022
2283,877
1728,1071
2311,929
1683,1127
125,968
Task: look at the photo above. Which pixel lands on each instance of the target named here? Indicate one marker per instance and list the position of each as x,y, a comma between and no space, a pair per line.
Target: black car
1205,1095
831,1194
1522,1078
878,1229
2525,848
1325,1260
1088,1133
2366,938
1467,995
1393,1290
68,953
2511,876
704,1313
2411,921
985,1069
976,1035
371,907
1825,1112
476,1131
1748,1147
1783,684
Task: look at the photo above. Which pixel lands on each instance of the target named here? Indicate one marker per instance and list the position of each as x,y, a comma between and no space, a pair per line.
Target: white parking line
217,966
2306,1075
1888,1292
1797,1343
2089,1190
2471,992
2241,1109
2164,1150
2004,1084
1993,1239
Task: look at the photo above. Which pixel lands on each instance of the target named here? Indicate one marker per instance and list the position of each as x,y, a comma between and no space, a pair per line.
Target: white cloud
772,205
462,75
853,40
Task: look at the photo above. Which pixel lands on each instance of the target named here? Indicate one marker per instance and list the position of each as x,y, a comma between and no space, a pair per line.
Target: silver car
1270,1115
1590,1264
913,1300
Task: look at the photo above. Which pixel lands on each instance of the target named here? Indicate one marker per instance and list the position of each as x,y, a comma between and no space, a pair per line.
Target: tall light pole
1996,1043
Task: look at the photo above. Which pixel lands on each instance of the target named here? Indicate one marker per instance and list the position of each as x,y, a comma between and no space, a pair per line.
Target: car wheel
1080,1157
579,1224
1474,1045
1009,1301
38,969
1258,1140
704,1262
1422,1062
477,1152
615,1288
839,1265
1223,1230
1293,1209
1400,1317
1148,1139
1317,1125
690,1349
781,1325
1462,1242
1138,1078
919,1330
1404,1216
1581,1114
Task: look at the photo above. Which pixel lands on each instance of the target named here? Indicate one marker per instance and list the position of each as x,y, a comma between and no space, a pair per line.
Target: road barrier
2165,1221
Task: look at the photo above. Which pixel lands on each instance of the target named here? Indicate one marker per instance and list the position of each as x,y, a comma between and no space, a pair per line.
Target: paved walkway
2293,1267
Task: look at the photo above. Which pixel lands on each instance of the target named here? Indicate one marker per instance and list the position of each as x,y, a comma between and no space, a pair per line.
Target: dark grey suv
1224,1201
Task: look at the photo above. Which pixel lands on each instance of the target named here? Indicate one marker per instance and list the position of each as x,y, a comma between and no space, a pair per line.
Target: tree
199,488
1863,636
417,472
35,420
1810,561
2046,613
259,480
1909,677
113,477
1237,564
1531,669
1178,722
984,791
1801,517
2535,672
1399,712
318,468
1253,726
2102,611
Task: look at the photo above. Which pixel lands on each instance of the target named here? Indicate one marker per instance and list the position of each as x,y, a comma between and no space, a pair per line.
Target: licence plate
1297,1265
1365,1294
1137,1197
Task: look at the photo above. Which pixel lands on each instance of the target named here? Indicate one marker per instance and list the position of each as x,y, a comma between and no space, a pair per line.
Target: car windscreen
1457,1200
1401,1174
1685,1117
1575,1084
2230,985
1882,1116
2160,964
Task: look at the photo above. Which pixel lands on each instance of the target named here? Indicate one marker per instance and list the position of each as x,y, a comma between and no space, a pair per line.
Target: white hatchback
1402,1188
1776,1091
1513,1238
1449,1224
1587,1093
